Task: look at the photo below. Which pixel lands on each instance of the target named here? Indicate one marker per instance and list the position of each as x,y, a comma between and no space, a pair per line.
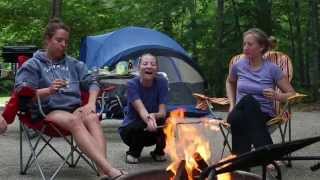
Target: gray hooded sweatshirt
39,72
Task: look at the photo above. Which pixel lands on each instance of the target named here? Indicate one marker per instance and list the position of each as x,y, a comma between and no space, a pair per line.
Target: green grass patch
4,100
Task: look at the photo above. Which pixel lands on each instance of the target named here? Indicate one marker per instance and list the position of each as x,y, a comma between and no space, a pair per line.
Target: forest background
210,30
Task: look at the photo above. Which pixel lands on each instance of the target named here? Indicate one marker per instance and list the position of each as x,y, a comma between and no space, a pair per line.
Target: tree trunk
264,19
314,40
219,50
299,58
56,8
291,33
220,20
236,19
193,26
307,56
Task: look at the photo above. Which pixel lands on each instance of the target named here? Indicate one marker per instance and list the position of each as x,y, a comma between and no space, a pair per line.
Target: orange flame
183,141
224,176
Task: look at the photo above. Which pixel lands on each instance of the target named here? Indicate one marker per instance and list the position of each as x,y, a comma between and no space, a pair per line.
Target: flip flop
157,157
114,177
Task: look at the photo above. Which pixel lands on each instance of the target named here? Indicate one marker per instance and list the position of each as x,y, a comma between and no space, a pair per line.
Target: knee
92,118
249,102
74,122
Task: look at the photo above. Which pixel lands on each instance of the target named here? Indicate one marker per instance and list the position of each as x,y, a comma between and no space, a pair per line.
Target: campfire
190,153
188,148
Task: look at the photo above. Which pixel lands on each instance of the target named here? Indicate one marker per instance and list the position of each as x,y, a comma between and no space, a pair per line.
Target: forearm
144,115
53,88
93,95
45,92
286,90
142,111
231,92
284,96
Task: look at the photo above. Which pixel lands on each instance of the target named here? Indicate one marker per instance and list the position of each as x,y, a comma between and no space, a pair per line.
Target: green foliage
22,21
5,87
193,23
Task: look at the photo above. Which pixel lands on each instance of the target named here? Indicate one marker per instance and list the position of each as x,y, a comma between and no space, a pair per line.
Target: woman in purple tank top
250,89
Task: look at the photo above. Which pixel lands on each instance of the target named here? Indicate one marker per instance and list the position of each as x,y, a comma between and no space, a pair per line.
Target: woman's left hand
88,109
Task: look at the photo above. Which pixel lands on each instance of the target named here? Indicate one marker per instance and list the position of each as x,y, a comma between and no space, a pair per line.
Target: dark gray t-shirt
39,72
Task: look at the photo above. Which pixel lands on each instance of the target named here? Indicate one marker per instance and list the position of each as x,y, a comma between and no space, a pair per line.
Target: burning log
202,165
181,173
184,145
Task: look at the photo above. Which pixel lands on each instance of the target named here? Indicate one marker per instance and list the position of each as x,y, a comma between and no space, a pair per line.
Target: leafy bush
6,87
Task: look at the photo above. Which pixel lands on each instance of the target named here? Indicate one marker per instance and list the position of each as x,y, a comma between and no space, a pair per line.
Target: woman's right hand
270,93
231,107
56,85
151,123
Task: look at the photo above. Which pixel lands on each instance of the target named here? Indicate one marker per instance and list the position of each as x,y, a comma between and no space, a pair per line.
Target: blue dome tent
130,42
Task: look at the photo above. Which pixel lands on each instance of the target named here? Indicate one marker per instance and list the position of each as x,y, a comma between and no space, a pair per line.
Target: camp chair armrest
204,101
28,93
274,121
223,101
200,97
25,95
225,124
297,97
40,106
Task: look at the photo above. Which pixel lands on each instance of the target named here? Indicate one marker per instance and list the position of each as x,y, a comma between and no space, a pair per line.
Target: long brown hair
54,25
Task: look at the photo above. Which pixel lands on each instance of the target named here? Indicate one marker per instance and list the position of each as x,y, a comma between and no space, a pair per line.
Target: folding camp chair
45,130
19,104
283,119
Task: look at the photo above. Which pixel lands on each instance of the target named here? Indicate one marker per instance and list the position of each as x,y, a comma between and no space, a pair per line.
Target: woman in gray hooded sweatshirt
48,71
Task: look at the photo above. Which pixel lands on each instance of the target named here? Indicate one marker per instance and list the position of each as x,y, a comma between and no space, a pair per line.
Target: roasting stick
211,121
180,123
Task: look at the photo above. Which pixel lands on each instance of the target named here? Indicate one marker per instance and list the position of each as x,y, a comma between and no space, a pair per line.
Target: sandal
114,177
131,159
274,170
271,167
158,157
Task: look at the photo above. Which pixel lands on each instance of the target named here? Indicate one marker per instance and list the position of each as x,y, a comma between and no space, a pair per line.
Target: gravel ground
305,124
